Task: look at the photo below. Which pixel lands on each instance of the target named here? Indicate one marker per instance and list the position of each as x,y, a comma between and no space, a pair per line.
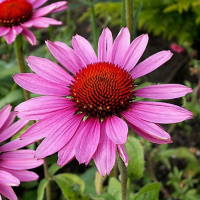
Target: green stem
129,16
20,60
124,177
123,15
46,174
93,23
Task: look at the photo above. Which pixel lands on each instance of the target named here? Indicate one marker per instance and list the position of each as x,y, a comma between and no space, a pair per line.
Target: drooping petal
46,21
158,112
22,175
8,121
39,107
120,47
147,130
87,142
49,70
60,137
13,129
17,29
45,126
7,192
105,154
4,30
135,51
65,56
105,46
116,129
123,154
84,49
8,179
67,153
10,36
29,36
163,91
150,64
36,84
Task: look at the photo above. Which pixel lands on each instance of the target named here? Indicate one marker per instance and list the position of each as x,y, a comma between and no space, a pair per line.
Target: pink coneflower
85,115
17,16
14,164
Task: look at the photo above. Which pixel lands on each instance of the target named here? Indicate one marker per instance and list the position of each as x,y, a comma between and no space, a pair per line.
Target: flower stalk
124,177
129,16
20,60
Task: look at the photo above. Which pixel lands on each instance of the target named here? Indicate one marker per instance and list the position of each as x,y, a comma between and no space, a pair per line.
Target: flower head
14,164
17,16
84,113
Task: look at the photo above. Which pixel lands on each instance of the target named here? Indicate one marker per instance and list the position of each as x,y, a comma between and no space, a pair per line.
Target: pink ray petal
39,107
8,121
7,192
120,47
21,164
48,9
163,91
22,175
4,30
29,36
88,139
17,29
16,144
45,126
135,51
150,64
123,154
158,112
67,153
116,129
105,46
84,49
38,3
13,129
49,70
60,137
37,84
19,154
147,130
10,36
47,20
105,155
8,179
4,114
72,63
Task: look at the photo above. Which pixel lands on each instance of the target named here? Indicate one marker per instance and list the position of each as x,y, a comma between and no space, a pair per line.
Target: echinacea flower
84,113
17,16
14,164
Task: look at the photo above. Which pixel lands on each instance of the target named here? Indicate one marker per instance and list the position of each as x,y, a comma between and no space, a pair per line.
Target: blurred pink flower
17,16
176,48
14,164
85,115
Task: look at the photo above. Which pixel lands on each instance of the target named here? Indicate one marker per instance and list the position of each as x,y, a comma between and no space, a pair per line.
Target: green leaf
150,192
71,185
114,188
41,188
53,169
136,155
104,196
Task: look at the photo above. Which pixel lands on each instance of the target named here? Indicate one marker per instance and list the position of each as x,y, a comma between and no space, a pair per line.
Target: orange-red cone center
102,89
14,12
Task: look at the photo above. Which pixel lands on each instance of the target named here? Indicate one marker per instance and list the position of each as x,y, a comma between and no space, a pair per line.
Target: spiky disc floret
14,12
102,89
